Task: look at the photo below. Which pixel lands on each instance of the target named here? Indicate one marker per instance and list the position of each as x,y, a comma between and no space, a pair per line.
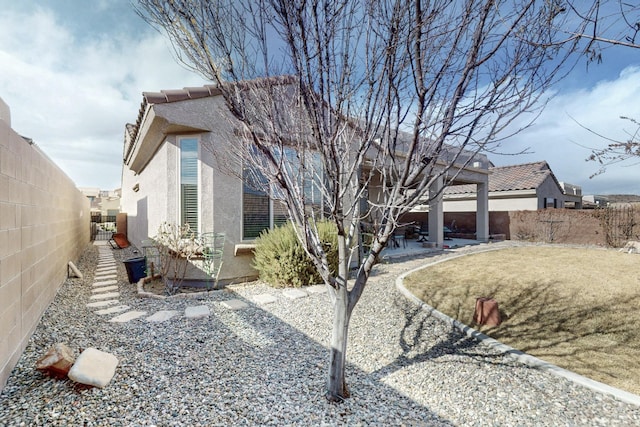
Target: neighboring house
528,186
93,194
106,202
110,202
178,168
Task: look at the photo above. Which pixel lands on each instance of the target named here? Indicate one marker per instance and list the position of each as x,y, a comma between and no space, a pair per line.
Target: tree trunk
336,385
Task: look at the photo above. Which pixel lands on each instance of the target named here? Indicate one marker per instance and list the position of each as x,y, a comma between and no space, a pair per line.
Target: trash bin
136,269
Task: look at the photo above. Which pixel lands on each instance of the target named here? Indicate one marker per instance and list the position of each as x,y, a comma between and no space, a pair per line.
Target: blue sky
73,73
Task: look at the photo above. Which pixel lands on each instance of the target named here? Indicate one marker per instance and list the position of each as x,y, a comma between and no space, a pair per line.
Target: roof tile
525,176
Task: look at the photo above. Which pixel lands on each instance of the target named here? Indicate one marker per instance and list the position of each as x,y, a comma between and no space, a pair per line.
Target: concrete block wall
44,224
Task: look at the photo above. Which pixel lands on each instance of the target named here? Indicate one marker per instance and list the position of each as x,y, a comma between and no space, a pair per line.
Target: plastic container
136,269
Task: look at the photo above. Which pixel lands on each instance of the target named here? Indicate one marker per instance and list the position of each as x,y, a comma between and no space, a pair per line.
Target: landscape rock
632,247
94,367
58,360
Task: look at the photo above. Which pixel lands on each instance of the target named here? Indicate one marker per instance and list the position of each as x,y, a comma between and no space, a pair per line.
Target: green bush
282,262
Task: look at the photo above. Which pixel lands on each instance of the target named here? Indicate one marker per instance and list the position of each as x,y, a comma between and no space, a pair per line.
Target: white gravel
266,365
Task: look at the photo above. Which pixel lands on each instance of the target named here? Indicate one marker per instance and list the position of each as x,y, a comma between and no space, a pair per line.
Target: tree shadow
416,343
598,340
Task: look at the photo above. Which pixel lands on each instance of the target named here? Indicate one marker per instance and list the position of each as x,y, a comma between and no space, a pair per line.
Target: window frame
179,176
309,189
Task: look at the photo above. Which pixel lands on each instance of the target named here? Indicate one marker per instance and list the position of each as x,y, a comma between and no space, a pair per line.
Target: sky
73,73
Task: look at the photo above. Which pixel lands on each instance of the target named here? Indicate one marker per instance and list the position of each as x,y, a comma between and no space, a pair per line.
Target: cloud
559,135
74,94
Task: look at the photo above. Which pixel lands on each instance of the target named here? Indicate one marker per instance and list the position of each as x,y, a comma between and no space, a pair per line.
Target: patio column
436,215
482,212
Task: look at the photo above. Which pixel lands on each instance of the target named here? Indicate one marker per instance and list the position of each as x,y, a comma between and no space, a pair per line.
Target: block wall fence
44,224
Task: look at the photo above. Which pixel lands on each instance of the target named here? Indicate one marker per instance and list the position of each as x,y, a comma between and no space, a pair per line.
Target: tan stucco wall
220,190
44,224
514,204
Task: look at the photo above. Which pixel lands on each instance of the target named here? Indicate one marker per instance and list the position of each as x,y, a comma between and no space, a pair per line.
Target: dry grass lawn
576,308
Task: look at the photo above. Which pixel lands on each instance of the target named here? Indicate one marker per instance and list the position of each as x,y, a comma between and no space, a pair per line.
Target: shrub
282,262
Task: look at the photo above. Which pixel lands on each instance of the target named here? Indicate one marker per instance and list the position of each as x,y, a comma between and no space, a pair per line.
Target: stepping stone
104,289
107,271
294,293
94,367
106,258
162,316
105,296
105,283
317,289
235,304
196,312
99,304
101,277
263,299
129,315
112,310
106,265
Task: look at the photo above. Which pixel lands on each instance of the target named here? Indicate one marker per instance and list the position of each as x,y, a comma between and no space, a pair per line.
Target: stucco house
177,168
527,186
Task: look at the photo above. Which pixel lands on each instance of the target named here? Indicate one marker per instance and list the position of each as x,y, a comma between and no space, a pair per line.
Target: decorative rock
58,360
196,312
94,367
129,315
162,316
294,293
486,312
263,299
75,270
112,310
105,296
632,247
234,304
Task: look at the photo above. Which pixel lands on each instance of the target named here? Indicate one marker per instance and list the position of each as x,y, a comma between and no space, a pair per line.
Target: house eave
531,192
153,132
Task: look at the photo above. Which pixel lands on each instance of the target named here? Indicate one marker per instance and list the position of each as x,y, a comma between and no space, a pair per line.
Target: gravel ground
266,366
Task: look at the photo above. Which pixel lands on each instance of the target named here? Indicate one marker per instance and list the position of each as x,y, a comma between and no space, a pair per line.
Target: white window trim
179,139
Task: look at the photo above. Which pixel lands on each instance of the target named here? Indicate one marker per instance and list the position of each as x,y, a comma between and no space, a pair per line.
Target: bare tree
383,97
616,151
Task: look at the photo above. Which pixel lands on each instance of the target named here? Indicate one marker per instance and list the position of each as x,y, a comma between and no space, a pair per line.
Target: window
550,202
260,211
189,182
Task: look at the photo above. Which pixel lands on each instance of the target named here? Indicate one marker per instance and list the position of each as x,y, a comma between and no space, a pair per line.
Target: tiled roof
525,176
175,95
163,97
